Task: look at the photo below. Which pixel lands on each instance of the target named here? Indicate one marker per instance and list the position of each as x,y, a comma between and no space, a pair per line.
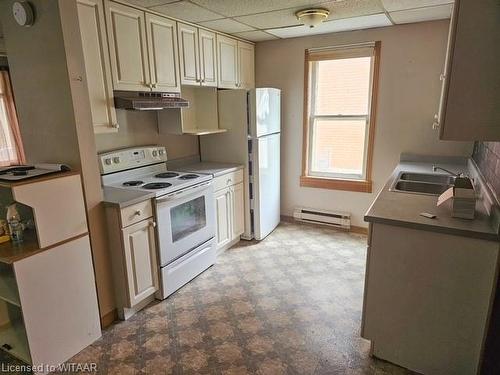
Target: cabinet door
140,258
97,65
208,58
470,108
188,54
227,59
128,48
223,210
238,210
246,65
162,51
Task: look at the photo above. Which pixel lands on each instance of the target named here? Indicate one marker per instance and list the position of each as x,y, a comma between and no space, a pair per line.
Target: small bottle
14,222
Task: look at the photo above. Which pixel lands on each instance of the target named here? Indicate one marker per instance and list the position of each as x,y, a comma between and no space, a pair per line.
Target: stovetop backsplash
487,157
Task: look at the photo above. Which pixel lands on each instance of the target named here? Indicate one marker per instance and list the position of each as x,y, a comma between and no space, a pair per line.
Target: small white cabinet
236,63
246,65
97,65
229,204
131,233
140,258
197,56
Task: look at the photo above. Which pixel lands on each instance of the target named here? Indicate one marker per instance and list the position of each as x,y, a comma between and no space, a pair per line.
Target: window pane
338,146
342,86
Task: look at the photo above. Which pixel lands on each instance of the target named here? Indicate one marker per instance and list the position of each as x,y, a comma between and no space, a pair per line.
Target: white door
188,54
162,47
128,47
246,65
97,65
238,210
227,59
223,213
208,58
264,111
266,184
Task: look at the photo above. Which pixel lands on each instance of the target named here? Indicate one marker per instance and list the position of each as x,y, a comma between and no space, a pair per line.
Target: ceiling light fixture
312,17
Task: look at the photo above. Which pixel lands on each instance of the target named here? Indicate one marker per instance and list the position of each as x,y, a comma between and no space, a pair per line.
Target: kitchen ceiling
260,20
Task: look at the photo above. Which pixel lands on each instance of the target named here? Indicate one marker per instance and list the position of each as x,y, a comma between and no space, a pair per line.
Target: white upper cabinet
246,65
128,47
208,57
227,56
97,65
189,54
162,51
469,108
197,56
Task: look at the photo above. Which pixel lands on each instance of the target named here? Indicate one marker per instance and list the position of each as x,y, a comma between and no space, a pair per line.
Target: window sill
362,186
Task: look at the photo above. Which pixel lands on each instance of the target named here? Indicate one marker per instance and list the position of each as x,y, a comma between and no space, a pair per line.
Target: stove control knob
107,161
161,152
116,159
155,153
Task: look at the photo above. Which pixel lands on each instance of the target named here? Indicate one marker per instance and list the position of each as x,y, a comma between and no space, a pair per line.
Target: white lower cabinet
134,257
229,205
140,259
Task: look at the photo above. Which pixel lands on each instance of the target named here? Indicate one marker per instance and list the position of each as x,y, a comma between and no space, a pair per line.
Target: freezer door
266,184
264,112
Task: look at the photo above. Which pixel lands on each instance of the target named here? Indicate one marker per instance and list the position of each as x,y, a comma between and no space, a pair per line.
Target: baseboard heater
336,219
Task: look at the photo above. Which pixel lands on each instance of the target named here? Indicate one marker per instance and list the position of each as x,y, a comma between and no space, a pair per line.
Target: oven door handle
180,194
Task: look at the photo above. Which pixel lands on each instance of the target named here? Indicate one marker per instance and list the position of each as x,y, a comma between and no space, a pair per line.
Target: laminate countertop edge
403,209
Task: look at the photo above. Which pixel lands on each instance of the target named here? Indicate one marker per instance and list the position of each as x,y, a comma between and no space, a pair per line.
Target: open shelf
204,131
15,336
8,286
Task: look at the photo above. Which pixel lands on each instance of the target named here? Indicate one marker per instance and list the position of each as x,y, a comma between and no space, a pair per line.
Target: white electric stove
184,210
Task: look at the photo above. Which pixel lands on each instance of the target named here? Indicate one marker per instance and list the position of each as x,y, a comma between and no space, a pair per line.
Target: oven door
185,220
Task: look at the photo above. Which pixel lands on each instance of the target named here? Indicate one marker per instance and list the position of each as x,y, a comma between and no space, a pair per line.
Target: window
11,149
339,116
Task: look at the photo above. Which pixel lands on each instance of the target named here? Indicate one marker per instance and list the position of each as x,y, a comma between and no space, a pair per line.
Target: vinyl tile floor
290,304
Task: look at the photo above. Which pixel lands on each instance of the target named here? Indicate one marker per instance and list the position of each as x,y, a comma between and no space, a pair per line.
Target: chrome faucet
435,168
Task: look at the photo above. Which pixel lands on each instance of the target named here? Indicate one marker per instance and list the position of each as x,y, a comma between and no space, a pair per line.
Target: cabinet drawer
228,179
137,212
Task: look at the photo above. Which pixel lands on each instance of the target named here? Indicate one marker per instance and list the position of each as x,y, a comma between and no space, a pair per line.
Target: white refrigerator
253,122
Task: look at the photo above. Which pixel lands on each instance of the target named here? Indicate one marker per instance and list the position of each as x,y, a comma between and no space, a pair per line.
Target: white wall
412,58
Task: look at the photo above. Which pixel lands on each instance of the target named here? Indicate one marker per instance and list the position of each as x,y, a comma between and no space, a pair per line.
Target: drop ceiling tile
347,24
394,5
150,3
338,10
243,7
226,25
256,36
422,14
187,11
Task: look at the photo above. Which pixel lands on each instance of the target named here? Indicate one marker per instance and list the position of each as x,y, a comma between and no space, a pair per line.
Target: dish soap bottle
14,222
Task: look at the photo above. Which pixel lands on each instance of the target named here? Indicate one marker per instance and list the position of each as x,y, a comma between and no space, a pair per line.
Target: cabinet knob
435,125
153,224
154,85
229,181
442,77
137,213
115,125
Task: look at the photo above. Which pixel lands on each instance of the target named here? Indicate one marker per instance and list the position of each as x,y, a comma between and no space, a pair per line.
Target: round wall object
23,13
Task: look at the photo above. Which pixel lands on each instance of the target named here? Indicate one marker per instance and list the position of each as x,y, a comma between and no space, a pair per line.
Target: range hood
148,101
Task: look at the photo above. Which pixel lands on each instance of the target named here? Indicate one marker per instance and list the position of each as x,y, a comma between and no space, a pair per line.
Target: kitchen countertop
403,209
123,198
213,168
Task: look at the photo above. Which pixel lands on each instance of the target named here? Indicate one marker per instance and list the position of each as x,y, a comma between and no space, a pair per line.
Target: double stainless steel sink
422,183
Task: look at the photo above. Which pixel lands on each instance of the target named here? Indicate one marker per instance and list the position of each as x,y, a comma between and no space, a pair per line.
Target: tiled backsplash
487,157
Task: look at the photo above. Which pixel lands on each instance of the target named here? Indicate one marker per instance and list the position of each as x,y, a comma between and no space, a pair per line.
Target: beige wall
411,61
141,128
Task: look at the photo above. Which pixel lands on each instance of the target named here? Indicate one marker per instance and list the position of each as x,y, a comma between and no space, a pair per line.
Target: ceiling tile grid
261,20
